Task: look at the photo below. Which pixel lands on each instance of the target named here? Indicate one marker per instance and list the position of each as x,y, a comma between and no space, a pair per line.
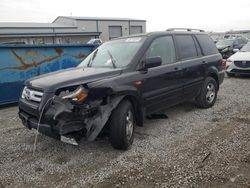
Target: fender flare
213,72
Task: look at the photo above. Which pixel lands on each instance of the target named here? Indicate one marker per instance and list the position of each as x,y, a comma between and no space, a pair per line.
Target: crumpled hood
74,76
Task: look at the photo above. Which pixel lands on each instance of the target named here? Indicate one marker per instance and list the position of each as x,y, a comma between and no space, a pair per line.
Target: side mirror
236,50
152,62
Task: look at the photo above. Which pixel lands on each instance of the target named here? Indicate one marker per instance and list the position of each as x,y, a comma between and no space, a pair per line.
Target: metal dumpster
21,62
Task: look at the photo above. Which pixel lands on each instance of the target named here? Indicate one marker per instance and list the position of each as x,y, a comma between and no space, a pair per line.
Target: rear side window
186,46
207,44
163,47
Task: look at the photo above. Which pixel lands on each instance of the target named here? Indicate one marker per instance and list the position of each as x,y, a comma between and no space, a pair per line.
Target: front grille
32,95
240,71
242,64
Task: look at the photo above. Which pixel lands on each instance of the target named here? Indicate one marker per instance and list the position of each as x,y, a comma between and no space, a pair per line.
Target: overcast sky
211,15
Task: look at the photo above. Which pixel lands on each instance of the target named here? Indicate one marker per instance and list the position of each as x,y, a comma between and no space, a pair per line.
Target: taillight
224,63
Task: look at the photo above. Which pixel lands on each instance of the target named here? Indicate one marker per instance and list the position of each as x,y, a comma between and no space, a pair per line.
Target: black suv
120,83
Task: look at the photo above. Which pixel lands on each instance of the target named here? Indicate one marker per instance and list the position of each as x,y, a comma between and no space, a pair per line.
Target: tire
122,124
229,74
208,93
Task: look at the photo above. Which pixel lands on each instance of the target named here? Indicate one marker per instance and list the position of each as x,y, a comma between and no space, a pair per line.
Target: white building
67,29
107,27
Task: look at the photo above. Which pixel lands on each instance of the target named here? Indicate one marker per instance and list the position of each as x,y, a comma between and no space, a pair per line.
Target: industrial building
69,30
108,28
43,33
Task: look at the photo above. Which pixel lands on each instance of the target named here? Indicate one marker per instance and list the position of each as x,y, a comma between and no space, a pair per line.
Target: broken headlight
24,93
79,95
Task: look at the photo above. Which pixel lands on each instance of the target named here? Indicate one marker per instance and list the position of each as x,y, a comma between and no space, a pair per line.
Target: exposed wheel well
215,76
137,107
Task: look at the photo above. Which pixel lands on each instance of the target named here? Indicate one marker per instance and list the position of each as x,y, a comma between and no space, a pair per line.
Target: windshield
117,53
246,48
225,42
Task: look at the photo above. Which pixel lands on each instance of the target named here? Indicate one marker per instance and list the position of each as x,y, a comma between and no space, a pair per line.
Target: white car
239,63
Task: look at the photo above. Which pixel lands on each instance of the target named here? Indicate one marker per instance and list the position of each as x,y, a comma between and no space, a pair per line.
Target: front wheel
208,93
122,124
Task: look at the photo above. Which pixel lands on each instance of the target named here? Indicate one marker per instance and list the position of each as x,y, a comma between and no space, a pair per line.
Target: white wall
88,26
103,26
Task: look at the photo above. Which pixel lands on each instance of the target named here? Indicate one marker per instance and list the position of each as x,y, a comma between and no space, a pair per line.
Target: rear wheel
122,124
208,94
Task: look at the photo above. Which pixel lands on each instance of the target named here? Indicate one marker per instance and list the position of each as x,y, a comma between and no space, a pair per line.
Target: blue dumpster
21,62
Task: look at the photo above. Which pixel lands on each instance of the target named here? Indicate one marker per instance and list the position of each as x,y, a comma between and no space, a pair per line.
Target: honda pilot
120,83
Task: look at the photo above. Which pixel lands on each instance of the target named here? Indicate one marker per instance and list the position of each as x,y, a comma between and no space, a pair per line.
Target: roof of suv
174,32
159,33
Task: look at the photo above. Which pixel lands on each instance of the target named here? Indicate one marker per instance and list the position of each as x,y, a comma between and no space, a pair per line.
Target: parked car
239,63
233,36
120,83
95,41
228,47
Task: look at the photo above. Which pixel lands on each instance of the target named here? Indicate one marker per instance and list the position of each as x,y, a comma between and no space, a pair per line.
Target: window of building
135,29
186,46
115,31
207,44
163,47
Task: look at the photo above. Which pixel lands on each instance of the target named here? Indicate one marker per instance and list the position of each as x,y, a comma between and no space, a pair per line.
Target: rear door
190,57
211,57
162,85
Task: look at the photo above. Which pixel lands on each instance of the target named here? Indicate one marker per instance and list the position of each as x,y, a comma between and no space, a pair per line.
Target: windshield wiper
112,59
92,58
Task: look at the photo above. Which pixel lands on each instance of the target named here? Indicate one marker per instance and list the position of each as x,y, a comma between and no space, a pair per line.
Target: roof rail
185,29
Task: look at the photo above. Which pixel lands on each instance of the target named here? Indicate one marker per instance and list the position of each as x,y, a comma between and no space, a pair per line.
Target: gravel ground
192,148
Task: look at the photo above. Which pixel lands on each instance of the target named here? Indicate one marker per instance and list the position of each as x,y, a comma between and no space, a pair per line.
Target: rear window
186,46
207,45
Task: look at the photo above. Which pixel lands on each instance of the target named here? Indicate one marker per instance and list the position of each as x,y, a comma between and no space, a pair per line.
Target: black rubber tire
230,74
118,137
201,99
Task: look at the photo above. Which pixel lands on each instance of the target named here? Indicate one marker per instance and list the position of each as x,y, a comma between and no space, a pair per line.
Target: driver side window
163,47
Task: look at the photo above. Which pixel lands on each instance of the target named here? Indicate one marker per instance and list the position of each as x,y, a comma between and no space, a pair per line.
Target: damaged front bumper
32,123
62,120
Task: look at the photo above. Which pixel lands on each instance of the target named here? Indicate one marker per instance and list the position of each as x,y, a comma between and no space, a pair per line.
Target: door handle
203,62
177,68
